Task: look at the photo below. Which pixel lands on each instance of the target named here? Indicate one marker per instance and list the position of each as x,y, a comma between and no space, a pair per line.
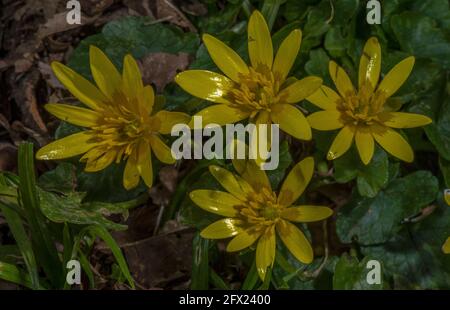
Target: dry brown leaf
169,177
8,156
165,9
160,68
24,94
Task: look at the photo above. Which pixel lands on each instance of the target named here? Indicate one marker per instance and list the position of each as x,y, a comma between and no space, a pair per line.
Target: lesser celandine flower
361,114
255,213
119,121
257,91
446,246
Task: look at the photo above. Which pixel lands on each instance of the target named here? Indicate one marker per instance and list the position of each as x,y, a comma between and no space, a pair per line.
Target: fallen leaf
165,9
8,157
160,68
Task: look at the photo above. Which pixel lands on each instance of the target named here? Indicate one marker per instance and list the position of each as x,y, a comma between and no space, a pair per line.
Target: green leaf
351,274
436,104
61,209
61,179
138,36
376,220
413,258
200,263
98,185
335,42
252,278
317,65
270,11
13,274
371,178
427,40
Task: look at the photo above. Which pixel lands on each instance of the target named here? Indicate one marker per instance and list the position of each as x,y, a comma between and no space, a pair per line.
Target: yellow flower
119,121
362,114
259,91
254,212
446,246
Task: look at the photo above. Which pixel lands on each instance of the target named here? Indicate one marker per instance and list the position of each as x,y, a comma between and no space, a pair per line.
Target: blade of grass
266,283
200,263
252,278
11,273
67,243
44,246
217,281
115,249
84,262
20,235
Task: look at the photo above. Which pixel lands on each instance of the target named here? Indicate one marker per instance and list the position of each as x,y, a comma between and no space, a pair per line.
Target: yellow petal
131,173
341,143
149,98
144,163
81,88
403,120
216,202
227,60
370,63
161,150
265,252
220,114
170,119
447,196
101,162
295,241
292,121
69,146
251,173
105,74
396,77
74,115
221,229
446,246
325,98
286,55
260,47
296,181
325,120
393,143
260,136
205,84
229,181
243,240
341,80
131,77
364,144
306,214
300,89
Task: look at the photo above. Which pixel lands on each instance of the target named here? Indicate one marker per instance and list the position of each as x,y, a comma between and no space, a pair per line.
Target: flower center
363,107
261,209
256,91
123,125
